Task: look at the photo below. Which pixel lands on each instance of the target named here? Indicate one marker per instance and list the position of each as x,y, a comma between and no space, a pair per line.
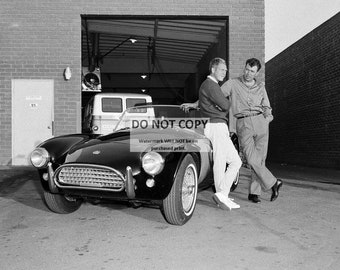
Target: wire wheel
179,205
189,189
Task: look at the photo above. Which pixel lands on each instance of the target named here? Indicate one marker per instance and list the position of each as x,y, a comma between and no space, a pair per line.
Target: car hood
112,150
124,148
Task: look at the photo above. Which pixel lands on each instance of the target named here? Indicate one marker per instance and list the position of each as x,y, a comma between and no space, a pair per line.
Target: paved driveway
301,230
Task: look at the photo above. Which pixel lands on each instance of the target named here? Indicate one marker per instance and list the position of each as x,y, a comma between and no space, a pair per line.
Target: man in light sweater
215,106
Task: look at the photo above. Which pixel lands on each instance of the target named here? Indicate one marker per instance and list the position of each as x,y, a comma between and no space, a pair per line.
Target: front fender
164,180
58,147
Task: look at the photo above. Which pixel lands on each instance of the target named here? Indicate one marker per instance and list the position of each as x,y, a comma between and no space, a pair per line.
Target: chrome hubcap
189,188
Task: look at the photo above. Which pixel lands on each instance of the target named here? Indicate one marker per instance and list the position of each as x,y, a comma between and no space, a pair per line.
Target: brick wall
303,84
40,38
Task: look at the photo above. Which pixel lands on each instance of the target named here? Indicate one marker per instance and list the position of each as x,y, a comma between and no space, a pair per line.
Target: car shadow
153,213
150,212
22,184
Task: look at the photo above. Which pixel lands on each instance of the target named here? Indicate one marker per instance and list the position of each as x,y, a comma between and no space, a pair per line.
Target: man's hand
269,118
187,106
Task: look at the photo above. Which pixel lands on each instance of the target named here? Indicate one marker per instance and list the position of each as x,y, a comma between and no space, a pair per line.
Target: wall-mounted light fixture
143,76
143,90
67,73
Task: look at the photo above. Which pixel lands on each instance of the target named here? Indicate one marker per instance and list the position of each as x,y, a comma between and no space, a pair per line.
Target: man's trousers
223,152
253,134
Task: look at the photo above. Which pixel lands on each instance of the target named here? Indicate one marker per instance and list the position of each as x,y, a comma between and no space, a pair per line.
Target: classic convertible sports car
159,160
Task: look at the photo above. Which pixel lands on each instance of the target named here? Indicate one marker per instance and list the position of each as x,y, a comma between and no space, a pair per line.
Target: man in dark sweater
215,106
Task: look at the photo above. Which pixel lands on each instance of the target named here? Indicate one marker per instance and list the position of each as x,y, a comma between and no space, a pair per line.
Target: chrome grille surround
89,176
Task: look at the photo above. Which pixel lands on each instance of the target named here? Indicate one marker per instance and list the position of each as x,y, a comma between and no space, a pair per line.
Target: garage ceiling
162,45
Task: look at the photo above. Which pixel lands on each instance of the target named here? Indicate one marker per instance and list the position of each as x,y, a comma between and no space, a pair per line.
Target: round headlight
152,163
40,157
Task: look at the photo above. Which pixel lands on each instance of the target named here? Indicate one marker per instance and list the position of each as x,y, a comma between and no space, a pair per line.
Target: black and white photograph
175,135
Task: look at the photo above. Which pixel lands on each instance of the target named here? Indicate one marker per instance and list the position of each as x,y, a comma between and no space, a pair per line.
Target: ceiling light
133,40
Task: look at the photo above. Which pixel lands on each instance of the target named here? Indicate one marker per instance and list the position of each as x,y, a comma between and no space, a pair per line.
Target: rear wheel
61,204
179,205
234,139
235,183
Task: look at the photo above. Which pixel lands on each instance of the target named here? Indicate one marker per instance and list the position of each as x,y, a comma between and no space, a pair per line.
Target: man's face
219,72
250,73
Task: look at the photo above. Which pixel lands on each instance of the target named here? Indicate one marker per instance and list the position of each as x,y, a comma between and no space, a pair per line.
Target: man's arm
187,106
267,110
216,96
226,88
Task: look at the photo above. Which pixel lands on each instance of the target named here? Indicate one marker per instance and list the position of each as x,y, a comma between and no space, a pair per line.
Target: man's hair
215,62
254,62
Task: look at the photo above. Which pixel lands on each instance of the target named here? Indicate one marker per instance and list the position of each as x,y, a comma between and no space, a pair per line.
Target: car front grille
90,176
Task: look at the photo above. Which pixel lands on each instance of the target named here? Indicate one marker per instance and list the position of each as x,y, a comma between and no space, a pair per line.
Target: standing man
251,108
215,106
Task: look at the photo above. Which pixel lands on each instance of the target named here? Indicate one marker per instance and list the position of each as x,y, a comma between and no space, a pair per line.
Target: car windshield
143,116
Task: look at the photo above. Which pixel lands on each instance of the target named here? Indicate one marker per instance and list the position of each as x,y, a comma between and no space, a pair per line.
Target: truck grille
90,176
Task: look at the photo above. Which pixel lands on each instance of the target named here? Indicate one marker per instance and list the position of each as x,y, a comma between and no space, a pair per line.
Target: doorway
32,116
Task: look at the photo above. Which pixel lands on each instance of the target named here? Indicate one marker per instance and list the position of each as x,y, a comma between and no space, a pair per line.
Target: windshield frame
147,107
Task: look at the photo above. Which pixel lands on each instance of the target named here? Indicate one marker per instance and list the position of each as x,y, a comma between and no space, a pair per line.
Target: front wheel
179,205
61,204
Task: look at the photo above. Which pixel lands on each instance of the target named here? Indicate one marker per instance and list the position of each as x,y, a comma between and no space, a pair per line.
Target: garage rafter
177,40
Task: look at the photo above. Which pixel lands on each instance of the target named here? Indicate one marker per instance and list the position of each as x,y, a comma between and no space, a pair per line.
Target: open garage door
166,57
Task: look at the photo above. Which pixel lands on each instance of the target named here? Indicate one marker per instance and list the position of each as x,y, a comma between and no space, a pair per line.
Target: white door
32,116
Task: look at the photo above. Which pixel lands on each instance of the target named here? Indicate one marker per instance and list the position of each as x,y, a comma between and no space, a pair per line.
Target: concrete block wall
39,39
303,84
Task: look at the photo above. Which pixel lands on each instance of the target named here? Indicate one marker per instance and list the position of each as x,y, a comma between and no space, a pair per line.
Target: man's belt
249,115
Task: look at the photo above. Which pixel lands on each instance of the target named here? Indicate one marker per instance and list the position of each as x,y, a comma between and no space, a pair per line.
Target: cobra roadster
159,159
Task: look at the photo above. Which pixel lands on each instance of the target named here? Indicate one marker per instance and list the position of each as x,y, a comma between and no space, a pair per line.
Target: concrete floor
301,230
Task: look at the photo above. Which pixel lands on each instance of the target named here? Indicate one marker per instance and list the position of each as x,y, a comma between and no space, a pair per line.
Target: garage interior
165,57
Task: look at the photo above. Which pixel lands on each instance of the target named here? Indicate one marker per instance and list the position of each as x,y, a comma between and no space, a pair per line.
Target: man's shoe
254,198
275,189
224,202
